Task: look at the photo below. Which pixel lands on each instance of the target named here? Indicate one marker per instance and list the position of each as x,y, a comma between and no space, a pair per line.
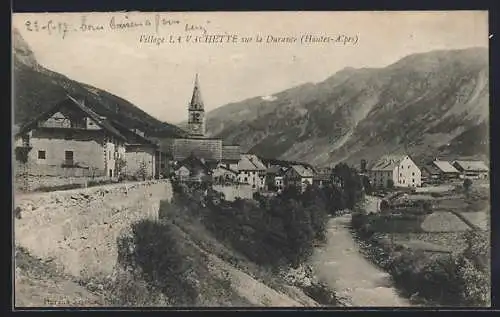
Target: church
211,150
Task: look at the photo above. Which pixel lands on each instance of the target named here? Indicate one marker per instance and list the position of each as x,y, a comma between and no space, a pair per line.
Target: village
426,209
70,146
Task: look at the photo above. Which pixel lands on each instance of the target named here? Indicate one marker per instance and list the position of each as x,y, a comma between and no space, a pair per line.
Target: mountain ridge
420,104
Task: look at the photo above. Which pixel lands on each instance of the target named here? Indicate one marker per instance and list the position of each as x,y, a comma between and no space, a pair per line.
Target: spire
196,101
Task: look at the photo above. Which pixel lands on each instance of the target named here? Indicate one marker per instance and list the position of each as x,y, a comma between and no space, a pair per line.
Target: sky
159,78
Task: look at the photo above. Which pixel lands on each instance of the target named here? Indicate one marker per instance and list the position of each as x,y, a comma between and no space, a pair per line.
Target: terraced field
432,241
478,218
443,221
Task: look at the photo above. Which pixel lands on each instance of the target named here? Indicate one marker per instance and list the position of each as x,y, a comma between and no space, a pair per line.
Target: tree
22,155
427,206
467,185
351,186
384,205
367,185
142,171
299,232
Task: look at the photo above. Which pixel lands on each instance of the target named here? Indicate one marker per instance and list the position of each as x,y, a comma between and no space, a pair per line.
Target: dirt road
340,264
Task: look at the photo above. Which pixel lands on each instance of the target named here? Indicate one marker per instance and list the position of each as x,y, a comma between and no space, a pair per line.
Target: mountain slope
36,89
426,104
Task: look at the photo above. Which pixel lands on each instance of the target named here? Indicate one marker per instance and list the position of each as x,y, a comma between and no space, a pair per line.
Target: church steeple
196,111
196,100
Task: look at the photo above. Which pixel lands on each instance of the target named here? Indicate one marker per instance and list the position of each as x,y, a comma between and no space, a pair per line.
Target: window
413,174
413,180
402,167
246,179
109,155
68,157
26,140
408,166
41,155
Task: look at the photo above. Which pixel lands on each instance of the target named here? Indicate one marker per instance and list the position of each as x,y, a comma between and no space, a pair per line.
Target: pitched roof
322,176
444,167
231,152
227,169
273,170
69,100
250,162
194,163
131,136
302,171
196,100
431,169
472,166
387,162
205,148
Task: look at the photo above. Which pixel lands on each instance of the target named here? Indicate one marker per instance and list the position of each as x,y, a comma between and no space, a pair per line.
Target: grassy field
431,241
443,221
441,230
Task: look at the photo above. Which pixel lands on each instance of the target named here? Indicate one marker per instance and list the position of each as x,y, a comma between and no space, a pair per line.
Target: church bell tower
196,112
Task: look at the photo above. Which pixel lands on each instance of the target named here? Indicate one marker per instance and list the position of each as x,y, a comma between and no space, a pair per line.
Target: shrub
156,251
462,279
467,184
384,205
271,231
322,294
129,289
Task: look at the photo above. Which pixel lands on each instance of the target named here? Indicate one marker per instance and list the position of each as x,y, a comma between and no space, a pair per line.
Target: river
340,264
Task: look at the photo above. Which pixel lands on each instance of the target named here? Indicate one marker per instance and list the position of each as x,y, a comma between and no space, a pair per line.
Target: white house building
399,168
252,171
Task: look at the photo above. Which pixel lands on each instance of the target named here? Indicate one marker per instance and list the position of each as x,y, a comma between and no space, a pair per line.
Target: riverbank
357,281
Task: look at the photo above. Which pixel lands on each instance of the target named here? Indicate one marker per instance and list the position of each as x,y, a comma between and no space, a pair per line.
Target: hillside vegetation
434,103
246,252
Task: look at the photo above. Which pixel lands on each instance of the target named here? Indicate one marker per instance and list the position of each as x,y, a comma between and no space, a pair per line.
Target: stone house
72,136
69,142
445,170
300,176
323,177
252,171
142,156
275,179
231,155
223,175
400,169
472,169
430,174
193,169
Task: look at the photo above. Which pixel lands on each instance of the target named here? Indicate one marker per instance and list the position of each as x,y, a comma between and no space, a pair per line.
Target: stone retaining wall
78,229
